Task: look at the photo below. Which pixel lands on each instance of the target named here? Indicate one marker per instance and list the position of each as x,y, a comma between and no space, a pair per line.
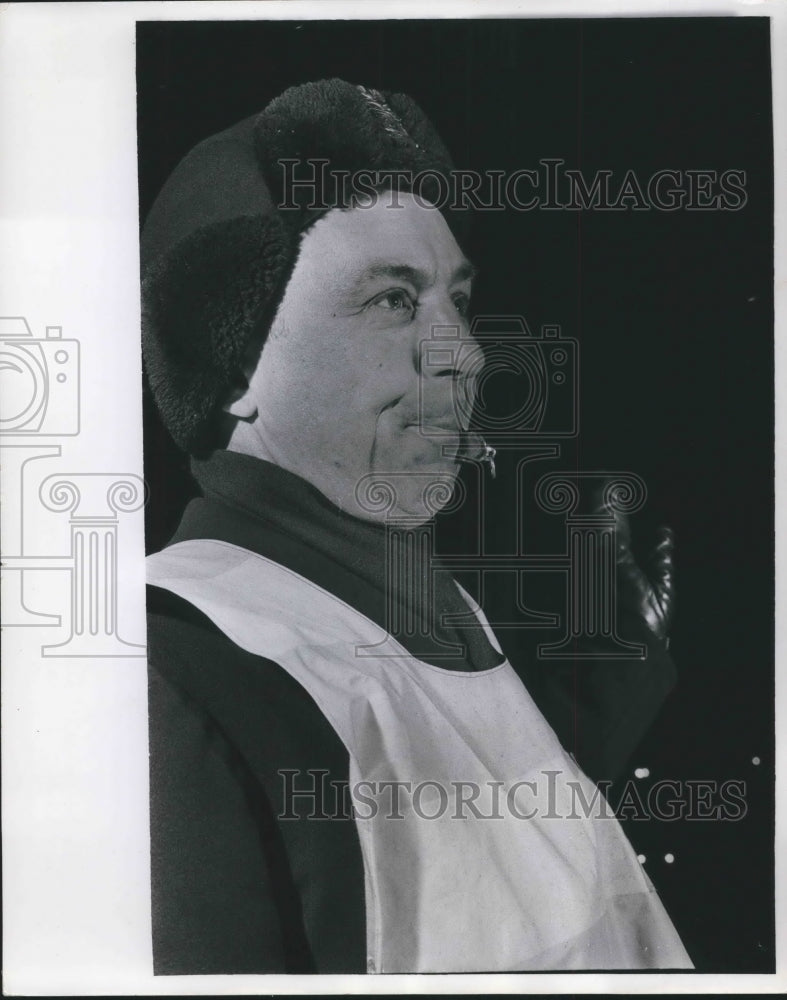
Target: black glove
649,594
601,708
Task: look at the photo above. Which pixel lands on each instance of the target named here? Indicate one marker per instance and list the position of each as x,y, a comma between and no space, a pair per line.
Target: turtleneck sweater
391,576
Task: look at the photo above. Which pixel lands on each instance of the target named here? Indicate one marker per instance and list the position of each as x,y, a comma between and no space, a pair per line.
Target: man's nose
448,363
445,347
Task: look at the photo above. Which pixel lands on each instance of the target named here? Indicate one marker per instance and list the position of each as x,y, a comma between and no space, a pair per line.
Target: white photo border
75,784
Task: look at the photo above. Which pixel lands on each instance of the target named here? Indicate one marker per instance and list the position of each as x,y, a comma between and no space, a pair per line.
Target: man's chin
417,493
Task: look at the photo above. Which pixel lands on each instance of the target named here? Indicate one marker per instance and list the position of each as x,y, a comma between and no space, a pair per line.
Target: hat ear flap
203,303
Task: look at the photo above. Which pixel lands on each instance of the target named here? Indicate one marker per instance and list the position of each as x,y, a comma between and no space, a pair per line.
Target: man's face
340,391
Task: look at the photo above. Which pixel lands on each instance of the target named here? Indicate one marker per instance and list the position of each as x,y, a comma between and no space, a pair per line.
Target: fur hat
222,238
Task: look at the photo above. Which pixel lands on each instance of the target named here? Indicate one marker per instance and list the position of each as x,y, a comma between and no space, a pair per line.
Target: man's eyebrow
414,275
467,271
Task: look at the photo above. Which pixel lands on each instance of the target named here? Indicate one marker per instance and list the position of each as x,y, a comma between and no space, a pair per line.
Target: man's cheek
402,449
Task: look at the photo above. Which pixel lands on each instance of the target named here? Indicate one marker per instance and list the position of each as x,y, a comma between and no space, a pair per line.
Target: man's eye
462,303
396,300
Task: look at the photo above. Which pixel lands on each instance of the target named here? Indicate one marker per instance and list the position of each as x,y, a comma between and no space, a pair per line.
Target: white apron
521,878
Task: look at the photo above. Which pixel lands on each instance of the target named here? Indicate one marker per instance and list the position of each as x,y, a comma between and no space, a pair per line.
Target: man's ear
240,402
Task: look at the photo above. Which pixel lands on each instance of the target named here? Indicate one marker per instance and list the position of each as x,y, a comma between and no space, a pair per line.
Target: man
283,329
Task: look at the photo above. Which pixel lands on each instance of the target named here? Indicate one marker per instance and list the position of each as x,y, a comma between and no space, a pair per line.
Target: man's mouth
442,433
473,447
466,445
445,432
442,426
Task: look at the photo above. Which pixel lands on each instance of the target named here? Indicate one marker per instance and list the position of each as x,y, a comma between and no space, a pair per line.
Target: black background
673,313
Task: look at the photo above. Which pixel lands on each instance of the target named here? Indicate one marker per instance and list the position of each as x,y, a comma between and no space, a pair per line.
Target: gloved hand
648,593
